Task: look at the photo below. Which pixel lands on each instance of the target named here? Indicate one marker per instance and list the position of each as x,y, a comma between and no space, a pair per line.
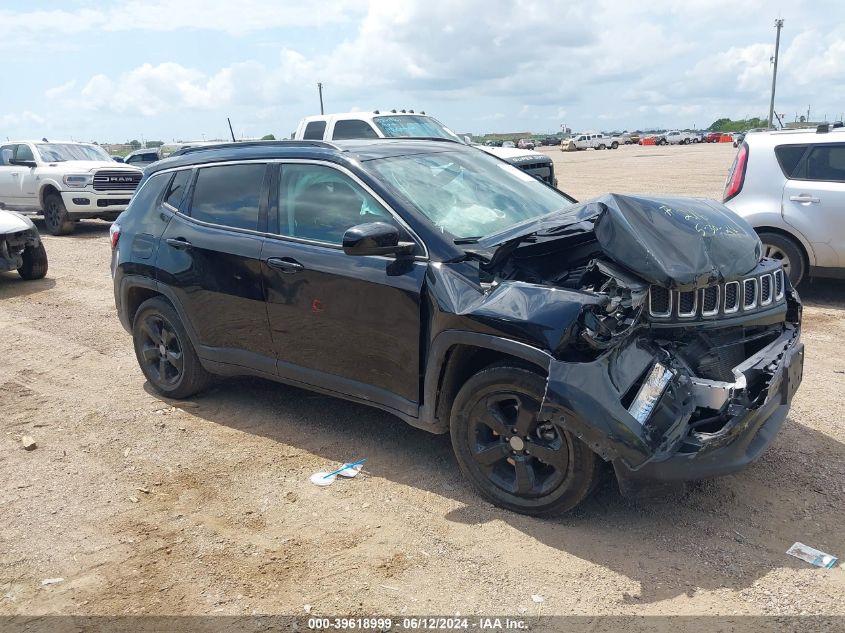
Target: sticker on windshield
517,172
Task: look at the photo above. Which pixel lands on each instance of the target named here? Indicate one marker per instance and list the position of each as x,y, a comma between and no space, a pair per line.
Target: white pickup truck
364,125
64,182
597,141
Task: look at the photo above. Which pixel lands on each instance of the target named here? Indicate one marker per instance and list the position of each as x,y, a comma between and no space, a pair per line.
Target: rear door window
6,154
229,195
314,131
353,128
788,158
826,163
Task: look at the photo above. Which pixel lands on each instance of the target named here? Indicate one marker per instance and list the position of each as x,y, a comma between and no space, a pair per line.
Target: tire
602,146
165,352
56,218
506,468
614,145
789,253
34,262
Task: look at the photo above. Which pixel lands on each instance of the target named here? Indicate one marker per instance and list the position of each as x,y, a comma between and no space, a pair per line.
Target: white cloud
25,117
243,16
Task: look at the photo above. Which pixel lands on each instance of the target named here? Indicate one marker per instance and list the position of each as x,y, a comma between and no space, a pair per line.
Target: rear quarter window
789,156
826,163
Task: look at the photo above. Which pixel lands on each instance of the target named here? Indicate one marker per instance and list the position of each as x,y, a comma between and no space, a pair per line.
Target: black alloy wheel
165,352
161,351
516,459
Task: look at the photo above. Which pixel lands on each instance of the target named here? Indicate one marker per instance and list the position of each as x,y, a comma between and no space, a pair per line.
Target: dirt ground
206,508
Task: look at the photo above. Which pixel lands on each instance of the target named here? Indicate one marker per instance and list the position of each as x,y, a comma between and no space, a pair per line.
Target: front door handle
286,265
179,243
804,197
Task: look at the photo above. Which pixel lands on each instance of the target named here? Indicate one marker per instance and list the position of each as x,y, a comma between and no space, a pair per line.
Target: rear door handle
286,265
804,197
179,243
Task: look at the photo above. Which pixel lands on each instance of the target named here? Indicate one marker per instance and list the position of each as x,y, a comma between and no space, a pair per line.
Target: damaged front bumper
697,429
12,246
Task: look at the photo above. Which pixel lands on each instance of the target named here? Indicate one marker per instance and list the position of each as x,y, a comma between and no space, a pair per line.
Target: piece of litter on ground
146,491
351,470
126,452
323,479
306,608
812,555
389,587
536,598
28,442
133,499
52,581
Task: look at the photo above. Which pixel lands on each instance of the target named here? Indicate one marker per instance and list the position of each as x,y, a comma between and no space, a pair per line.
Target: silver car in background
790,186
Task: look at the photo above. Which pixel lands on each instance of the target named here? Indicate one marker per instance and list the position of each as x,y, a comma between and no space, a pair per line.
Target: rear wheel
512,457
164,351
787,252
34,262
614,145
56,218
602,146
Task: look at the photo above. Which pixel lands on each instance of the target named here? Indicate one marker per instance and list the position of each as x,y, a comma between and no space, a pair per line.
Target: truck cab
410,124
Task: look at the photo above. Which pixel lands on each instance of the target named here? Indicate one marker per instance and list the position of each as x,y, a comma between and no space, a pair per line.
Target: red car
712,137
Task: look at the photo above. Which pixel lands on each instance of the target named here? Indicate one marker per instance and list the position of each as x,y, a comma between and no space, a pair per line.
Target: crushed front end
684,364
14,242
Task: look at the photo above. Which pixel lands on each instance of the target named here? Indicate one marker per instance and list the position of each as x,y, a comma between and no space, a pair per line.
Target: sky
175,69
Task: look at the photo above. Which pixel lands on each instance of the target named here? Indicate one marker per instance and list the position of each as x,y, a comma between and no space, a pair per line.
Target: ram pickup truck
597,141
65,182
372,125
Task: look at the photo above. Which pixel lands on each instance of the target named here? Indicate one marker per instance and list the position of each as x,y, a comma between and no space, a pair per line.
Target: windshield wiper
468,240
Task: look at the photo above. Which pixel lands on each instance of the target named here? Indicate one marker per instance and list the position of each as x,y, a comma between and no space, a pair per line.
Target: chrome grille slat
749,293
687,304
765,290
779,287
710,300
731,297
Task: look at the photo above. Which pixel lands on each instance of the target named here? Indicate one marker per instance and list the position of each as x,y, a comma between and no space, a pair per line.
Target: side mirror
375,238
22,163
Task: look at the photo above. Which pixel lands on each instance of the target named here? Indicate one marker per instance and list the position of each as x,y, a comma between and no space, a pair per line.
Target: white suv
790,186
64,181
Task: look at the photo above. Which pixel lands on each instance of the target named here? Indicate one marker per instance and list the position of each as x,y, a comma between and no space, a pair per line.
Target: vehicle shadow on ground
828,293
12,285
84,229
724,533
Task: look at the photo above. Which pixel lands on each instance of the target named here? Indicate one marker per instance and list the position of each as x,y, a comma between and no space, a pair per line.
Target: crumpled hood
678,243
11,222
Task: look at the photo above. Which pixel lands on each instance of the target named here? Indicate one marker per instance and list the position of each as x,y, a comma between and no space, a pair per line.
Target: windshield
467,194
413,126
60,152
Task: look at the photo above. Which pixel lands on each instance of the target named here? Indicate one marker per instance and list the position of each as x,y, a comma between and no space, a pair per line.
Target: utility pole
320,90
778,26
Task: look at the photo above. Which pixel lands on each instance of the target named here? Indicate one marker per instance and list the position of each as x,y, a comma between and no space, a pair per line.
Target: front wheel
614,145
34,262
512,457
164,351
56,217
787,252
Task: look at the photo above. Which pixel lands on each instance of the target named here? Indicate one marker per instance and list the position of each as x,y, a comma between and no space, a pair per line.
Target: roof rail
300,143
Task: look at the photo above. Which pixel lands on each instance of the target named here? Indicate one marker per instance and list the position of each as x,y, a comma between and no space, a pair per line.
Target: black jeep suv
446,286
